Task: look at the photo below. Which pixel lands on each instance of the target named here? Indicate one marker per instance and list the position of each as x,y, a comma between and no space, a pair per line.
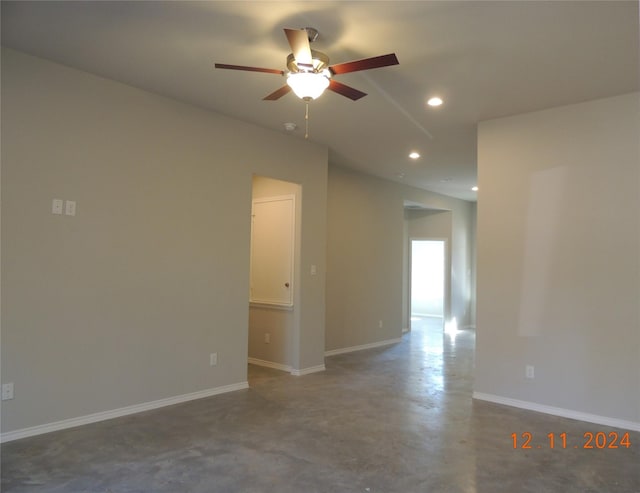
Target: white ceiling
485,59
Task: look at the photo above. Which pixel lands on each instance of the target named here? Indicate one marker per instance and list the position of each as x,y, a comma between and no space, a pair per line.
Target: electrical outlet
213,359
529,372
7,391
267,338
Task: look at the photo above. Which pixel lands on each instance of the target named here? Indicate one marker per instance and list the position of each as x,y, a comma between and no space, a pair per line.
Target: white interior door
272,247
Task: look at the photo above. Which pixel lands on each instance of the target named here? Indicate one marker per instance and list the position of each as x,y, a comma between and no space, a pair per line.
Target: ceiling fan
309,72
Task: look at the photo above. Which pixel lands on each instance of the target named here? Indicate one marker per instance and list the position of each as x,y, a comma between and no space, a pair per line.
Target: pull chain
306,121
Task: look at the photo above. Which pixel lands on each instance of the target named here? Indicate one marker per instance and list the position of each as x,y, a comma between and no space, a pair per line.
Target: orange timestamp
590,440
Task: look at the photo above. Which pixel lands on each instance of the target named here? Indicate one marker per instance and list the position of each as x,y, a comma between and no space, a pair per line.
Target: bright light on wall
451,327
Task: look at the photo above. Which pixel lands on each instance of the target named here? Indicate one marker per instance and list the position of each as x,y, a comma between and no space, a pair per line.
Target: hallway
393,419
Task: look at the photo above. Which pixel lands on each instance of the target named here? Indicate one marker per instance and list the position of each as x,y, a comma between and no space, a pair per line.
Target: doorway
427,268
274,273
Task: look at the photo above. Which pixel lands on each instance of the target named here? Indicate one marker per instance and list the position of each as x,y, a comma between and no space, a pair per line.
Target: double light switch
69,207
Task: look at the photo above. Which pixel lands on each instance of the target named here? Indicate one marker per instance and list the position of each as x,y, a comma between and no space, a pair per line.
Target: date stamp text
589,440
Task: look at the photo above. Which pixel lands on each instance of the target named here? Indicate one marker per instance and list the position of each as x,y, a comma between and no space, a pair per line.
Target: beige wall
559,258
474,263
123,303
367,257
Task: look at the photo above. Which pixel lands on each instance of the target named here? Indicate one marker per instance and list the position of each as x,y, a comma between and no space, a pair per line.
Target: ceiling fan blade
250,69
299,41
345,90
364,64
277,94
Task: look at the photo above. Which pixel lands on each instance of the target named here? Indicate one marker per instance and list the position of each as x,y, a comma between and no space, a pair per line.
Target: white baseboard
269,364
558,411
306,371
116,413
371,345
287,368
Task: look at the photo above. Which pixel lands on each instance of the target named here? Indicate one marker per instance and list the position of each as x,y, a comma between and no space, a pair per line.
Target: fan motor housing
320,62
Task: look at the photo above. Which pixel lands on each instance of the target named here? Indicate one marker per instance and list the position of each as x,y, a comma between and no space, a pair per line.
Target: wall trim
279,366
371,345
263,305
269,364
427,315
558,411
116,413
306,371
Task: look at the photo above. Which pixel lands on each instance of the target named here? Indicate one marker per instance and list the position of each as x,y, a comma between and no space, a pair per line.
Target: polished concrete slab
393,419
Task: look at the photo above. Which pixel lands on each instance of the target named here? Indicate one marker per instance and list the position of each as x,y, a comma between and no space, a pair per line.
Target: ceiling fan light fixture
308,85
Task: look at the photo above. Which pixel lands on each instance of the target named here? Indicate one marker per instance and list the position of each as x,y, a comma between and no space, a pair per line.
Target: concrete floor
393,419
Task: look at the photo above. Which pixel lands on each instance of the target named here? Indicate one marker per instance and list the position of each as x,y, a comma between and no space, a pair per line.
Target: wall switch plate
314,270
213,359
70,208
380,323
267,338
7,391
529,371
56,206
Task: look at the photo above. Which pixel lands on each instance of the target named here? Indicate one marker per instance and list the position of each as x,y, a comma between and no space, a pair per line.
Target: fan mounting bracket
312,33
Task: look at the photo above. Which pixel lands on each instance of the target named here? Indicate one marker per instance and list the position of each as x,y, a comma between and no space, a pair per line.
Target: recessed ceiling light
475,189
414,155
435,101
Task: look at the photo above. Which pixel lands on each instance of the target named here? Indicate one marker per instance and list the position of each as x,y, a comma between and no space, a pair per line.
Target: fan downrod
312,33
